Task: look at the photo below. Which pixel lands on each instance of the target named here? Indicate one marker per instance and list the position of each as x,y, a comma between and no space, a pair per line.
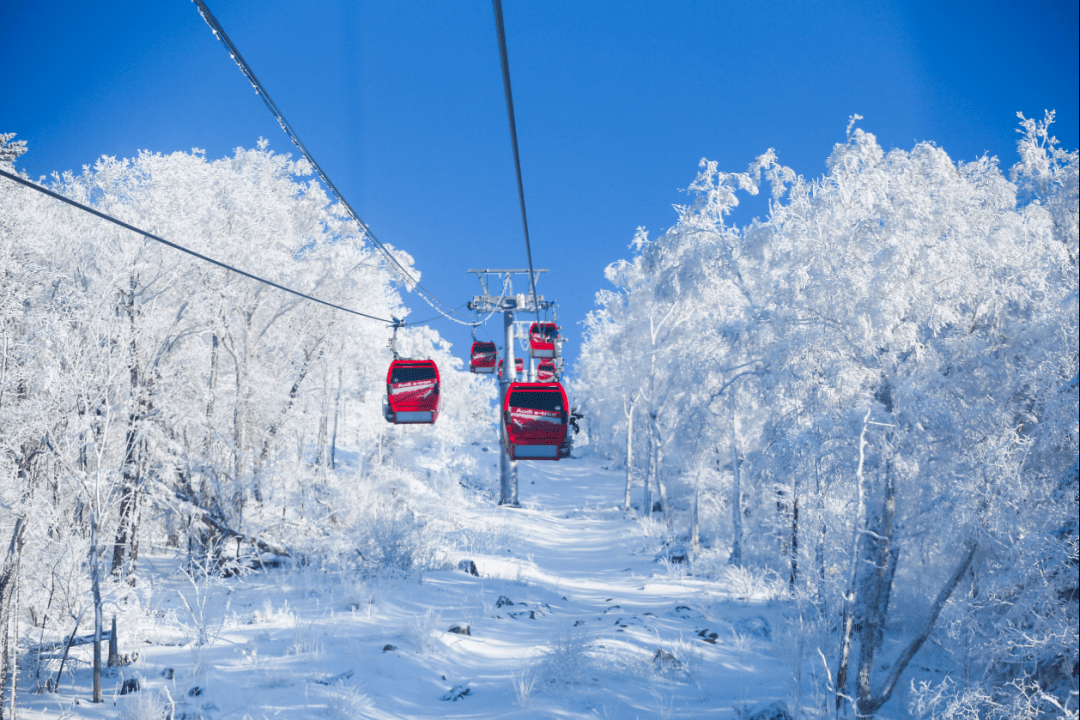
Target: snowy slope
571,616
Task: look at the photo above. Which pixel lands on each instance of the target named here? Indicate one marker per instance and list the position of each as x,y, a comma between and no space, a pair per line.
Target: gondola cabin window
405,376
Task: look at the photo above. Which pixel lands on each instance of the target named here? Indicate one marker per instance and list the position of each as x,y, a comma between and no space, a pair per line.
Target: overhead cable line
513,139
431,319
181,248
234,53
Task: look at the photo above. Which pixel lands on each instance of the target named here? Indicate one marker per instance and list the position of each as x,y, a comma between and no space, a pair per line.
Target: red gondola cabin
412,392
519,365
542,337
482,357
546,372
534,421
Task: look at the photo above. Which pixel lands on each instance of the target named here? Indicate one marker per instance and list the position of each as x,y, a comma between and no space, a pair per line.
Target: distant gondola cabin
542,339
546,372
519,365
482,357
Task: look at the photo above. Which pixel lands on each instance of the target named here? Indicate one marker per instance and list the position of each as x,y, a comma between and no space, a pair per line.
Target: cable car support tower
508,303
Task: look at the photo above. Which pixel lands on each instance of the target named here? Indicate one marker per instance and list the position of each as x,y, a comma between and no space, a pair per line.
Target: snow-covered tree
879,366
146,393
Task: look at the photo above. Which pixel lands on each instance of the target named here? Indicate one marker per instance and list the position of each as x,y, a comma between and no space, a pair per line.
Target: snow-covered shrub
565,659
524,686
345,703
145,705
425,631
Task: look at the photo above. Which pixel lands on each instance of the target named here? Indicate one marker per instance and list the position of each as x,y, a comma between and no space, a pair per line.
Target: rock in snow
457,693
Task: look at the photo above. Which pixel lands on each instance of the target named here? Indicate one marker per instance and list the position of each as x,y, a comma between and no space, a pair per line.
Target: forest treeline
872,393
150,399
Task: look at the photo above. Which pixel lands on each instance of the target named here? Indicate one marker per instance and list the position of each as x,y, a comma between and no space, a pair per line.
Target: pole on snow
507,467
508,303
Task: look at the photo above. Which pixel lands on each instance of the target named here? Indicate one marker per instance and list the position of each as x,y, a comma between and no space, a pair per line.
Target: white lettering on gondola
416,386
527,416
534,412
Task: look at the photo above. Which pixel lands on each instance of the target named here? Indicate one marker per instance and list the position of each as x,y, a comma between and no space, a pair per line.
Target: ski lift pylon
519,366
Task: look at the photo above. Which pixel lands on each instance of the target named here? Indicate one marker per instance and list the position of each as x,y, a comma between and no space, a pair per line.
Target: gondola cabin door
412,392
535,418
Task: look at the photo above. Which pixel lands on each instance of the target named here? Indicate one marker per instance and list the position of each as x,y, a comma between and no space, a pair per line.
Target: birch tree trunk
629,451
240,441
793,538
848,620
3,366
337,411
890,573
9,571
877,547
311,356
648,477
695,528
819,550
240,346
736,499
321,439
794,541
659,463
130,475
661,485
870,701
211,395
125,531
95,580
133,542
15,649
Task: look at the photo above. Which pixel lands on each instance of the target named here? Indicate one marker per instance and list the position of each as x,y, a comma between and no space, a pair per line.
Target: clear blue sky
616,102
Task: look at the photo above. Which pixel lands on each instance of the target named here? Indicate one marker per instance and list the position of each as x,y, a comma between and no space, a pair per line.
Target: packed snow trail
570,616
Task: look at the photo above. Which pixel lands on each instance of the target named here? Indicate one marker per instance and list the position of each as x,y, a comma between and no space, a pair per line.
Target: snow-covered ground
572,615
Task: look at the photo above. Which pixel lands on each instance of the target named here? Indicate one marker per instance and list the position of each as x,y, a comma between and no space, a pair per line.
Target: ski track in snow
592,620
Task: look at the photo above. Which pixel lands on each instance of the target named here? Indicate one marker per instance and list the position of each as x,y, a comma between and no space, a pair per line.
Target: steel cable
513,141
234,53
181,248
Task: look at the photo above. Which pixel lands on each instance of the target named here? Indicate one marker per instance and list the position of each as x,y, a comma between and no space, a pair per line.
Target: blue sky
616,103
